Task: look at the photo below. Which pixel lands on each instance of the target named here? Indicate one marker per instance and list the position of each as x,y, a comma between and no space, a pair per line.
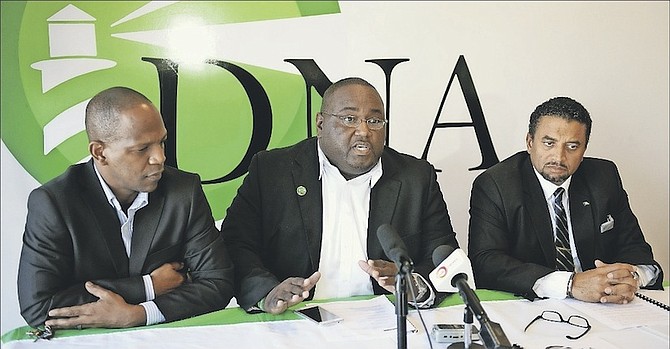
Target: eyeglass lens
554,316
353,121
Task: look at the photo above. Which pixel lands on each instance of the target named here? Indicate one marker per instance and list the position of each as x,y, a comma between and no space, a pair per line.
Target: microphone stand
467,336
491,333
401,305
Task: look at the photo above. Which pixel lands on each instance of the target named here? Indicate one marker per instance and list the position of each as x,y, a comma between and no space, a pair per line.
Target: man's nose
157,156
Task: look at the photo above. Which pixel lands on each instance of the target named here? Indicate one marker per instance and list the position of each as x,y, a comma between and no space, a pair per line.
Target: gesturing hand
382,271
167,277
289,292
110,310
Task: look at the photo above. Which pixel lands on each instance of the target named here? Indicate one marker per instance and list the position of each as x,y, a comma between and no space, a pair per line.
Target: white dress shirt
554,284
346,208
153,314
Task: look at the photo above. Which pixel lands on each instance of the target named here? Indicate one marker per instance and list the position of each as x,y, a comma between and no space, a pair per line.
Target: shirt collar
141,200
549,188
373,175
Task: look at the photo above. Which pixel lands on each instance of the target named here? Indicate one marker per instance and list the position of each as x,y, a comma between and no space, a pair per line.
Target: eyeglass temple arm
530,323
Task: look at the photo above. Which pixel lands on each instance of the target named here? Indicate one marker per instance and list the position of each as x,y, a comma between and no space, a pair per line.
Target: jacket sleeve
625,242
490,242
242,230
46,276
435,224
207,261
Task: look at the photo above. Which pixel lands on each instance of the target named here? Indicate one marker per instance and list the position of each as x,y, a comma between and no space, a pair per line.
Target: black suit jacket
511,242
72,235
274,233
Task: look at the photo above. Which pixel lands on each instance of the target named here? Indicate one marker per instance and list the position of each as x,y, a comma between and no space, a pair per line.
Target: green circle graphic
214,117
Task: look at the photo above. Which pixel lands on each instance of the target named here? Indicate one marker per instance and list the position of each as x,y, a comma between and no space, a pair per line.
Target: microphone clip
405,266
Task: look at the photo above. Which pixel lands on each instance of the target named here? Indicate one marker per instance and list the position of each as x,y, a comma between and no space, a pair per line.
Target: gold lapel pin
301,190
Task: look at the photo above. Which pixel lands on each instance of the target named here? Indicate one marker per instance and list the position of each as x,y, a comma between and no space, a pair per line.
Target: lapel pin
586,203
301,190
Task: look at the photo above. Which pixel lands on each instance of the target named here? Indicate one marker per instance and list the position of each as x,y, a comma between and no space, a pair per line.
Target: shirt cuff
148,287
647,275
552,285
154,315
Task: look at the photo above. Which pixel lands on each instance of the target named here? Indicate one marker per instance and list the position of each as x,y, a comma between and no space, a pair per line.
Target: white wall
15,185
611,56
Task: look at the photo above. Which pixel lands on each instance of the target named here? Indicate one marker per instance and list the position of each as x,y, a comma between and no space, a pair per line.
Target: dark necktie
563,253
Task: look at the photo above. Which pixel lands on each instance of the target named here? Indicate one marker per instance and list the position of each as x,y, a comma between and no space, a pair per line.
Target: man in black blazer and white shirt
513,226
121,240
310,212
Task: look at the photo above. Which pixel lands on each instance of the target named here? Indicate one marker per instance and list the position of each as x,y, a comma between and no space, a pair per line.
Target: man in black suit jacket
121,240
328,196
511,239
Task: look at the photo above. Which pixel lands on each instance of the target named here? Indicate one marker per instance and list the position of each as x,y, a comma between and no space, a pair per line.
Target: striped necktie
563,253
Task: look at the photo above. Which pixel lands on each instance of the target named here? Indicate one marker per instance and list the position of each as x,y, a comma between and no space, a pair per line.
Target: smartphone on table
318,314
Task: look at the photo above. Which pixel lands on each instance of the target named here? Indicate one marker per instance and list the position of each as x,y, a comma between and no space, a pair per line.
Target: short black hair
562,107
325,102
103,111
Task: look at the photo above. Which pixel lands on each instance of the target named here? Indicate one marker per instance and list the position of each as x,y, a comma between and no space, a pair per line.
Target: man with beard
310,212
548,222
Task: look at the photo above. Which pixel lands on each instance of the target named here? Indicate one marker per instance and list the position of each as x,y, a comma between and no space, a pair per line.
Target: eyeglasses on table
554,316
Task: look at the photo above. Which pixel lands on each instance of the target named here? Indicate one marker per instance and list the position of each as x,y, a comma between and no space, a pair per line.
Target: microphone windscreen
441,253
393,246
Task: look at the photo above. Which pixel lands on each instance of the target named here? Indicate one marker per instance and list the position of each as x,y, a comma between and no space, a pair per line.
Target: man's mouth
556,166
155,175
361,147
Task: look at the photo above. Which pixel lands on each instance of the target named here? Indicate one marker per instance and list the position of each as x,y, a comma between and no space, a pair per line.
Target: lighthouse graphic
72,51
72,48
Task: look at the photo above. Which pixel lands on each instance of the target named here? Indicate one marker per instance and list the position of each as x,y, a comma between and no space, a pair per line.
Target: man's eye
548,144
349,119
572,146
374,121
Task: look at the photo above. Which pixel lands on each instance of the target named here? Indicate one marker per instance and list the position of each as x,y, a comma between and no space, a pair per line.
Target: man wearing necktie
548,222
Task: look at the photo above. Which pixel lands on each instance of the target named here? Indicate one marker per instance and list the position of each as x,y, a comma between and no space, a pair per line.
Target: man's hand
109,311
289,293
382,271
607,283
167,277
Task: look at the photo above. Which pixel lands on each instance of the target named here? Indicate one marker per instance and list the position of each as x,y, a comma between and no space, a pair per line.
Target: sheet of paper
373,318
620,316
514,315
662,296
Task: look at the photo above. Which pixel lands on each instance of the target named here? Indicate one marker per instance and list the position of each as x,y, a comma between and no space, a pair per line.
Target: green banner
56,55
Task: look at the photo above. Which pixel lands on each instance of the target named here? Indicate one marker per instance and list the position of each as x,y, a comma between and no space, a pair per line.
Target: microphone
394,248
455,273
450,263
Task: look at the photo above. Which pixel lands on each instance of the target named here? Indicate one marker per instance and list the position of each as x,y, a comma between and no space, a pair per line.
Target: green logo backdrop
56,55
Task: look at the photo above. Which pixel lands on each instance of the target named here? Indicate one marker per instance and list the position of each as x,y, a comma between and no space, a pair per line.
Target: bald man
121,240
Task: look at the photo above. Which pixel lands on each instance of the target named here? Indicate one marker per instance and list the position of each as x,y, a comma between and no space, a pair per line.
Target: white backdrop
611,56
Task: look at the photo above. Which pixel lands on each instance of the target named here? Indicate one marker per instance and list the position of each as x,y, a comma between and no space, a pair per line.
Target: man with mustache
309,213
549,222
121,240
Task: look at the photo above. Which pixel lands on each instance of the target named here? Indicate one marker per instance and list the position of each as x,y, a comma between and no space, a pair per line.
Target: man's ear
529,141
319,123
96,149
